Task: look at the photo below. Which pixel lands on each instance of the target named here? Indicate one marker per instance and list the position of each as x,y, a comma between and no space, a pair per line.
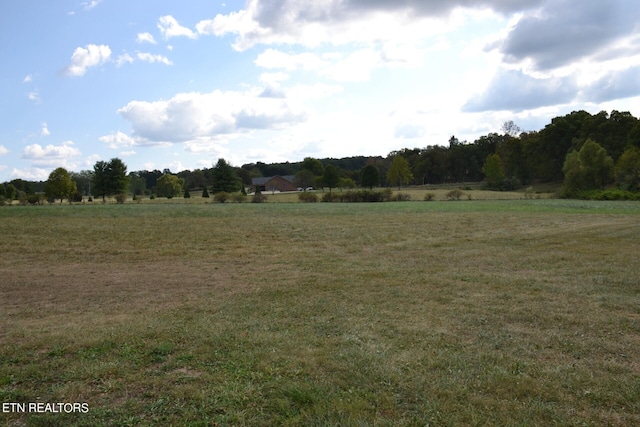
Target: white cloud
145,38
45,130
169,27
273,58
150,58
516,91
273,78
91,160
561,34
125,58
90,56
51,155
34,96
91,4
335,22
27,79
127,153
354,66
3,150
409,130
32,174
118,140
200,117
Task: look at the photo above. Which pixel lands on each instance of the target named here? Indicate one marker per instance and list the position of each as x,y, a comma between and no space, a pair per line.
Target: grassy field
481,312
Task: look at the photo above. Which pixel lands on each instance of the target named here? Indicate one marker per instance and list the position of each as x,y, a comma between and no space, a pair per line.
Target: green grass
481,312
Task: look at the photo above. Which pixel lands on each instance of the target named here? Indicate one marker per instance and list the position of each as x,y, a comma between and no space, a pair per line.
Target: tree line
570,148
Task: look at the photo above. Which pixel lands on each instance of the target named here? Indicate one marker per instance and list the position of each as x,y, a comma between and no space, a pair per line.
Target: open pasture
522,312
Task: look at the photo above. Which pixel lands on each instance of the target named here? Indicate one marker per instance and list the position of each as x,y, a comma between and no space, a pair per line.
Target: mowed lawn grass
501,313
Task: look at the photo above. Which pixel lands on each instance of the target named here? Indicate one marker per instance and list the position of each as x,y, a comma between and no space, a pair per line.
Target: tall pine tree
225,178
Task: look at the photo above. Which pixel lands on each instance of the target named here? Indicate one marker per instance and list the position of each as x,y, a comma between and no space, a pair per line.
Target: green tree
399,171
493,172
137,184
169,186
346,183
369,177
331,177
100,185
60,185
83,181
627,169
225,178
588,169
11,191
110,178
117,176
304,178
313,165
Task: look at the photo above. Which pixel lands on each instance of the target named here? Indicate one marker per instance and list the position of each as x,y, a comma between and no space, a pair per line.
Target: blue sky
165,84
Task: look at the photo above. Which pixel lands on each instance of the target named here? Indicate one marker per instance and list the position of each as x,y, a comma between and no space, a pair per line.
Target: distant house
275,183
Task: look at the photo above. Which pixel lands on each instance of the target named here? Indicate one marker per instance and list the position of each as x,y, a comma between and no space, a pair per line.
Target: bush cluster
401,197
429,197
258,197
309,197
357,196
608,194
33,199
220,197
223,196
455,194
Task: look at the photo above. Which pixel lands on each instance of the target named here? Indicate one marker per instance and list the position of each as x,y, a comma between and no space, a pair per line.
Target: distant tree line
587,151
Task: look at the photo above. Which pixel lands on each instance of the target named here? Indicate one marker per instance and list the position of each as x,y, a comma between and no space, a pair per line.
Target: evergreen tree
225,178
110,178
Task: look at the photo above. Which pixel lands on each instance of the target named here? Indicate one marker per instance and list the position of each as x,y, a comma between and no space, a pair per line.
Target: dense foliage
504,161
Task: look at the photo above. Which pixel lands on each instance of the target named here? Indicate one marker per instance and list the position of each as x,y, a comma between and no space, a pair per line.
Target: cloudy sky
166,84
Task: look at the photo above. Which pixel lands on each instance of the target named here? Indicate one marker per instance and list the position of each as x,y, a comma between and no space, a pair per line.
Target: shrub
76,197
309,197
510,184
205,193
238,197
120,198
331,197
401,197
360,196
33,199
455,194
258,197
186,195
220,197
429,197
529,193
608,194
